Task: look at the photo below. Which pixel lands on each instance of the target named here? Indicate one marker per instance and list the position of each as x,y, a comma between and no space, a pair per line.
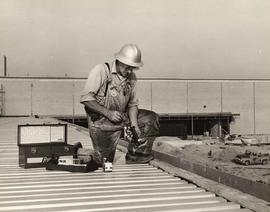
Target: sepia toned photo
134,106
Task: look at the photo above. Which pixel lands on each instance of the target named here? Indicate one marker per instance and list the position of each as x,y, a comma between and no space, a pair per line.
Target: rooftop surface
127,188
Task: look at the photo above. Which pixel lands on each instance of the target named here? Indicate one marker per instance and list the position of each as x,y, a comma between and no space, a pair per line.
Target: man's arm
114,116
133,117
95,80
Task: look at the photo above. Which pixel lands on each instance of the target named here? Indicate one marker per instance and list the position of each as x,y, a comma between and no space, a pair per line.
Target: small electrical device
107,166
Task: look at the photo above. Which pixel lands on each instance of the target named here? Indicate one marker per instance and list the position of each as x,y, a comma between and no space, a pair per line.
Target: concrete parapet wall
42,97
249,98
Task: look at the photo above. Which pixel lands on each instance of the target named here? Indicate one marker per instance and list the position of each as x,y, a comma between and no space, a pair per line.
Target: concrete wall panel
262,107
169,97
144,94
204,97
237,97
52,97
17,97
1,66
77,89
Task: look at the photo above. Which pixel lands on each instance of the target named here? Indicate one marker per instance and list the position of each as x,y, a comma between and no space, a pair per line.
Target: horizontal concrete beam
258,189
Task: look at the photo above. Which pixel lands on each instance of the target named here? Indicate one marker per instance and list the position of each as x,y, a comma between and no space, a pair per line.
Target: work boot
92,165
133,159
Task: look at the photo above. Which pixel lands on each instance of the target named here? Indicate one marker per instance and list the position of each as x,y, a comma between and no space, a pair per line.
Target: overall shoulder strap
108,66
108,70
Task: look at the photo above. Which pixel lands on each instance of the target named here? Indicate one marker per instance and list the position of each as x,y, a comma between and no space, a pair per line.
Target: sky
219,39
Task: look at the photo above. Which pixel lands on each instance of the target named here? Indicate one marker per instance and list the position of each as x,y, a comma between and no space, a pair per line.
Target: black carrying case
38,142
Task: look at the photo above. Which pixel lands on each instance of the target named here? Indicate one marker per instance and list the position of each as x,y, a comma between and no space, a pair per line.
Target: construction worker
111,103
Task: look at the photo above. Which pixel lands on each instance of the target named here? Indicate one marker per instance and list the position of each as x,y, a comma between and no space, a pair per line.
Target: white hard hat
130,54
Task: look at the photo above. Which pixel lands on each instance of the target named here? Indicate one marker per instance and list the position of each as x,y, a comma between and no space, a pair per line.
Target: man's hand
115,116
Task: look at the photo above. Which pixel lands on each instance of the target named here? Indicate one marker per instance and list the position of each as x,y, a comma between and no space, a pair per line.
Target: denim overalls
105,134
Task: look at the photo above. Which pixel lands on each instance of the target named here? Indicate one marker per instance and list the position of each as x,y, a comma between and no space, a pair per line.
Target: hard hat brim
127,62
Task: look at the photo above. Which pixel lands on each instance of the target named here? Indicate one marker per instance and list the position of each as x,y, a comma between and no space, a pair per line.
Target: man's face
125,70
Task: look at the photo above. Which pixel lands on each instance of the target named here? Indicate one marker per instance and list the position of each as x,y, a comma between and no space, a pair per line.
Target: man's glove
135,136
138,131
